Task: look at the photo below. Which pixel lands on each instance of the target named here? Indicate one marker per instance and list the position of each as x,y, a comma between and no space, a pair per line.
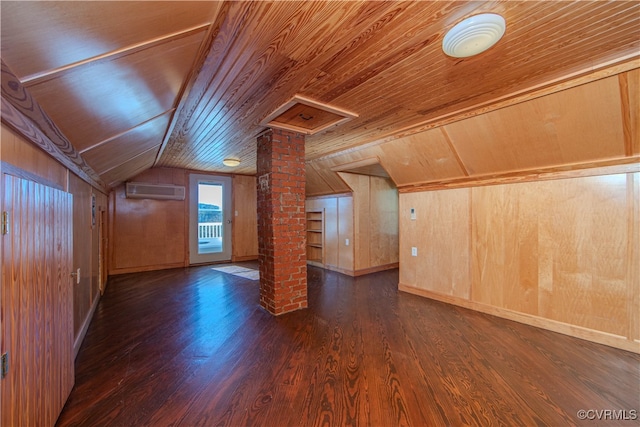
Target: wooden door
36,303
102,256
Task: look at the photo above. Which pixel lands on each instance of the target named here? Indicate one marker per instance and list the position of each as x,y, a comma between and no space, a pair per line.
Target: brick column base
281,221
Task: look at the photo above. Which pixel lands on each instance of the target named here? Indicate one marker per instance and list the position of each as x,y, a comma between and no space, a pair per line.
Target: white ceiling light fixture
474,35
231,162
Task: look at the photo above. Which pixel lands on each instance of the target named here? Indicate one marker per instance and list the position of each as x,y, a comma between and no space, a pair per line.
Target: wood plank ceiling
185,84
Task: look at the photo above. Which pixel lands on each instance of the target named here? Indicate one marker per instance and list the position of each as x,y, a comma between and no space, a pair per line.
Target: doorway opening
210,220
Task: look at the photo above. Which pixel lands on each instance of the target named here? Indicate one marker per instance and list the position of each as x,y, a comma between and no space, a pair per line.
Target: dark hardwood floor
191,347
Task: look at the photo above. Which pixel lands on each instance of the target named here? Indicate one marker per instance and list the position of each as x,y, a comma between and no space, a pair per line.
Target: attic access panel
306,116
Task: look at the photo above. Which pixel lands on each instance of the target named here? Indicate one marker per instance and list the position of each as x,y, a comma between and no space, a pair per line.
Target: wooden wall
245,220
30,160
375,216
36,302
86,254
148,234
23,159
560,254
151,234
74,304
338,226
497,247
345,231
368,217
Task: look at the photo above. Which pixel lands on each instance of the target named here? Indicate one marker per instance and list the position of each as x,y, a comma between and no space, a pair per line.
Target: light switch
346,242
414,251
413,213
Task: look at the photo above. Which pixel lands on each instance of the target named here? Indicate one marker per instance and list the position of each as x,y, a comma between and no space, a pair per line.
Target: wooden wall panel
560,254
361,220
245,221
82,250
33,163
505,247
383,216
36,303
583,238
633,286
426,156
330,207
338,226
331,231
149,234
375,216
441,234
577,125
153,234
345,231
97,283
17,152
557,249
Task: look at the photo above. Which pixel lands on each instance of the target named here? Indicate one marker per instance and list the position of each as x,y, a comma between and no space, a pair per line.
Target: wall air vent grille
138,190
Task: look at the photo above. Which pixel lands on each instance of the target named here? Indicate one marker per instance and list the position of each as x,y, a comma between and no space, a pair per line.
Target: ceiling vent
139,190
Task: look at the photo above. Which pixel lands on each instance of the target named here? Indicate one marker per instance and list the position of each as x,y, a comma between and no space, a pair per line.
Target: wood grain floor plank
191,347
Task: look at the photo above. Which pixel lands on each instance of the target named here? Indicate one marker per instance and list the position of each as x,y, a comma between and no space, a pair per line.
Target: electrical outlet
346,242
414,251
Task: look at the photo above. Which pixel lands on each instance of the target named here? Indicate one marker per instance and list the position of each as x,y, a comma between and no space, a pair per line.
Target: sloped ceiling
125,86
591,124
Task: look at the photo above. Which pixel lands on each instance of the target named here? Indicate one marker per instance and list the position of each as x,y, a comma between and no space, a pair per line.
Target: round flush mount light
231,162
473,35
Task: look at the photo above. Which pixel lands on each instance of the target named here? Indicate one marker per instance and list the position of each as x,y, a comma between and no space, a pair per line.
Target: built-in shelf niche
315,237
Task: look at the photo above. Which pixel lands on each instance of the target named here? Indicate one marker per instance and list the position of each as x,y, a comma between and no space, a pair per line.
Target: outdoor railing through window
208,230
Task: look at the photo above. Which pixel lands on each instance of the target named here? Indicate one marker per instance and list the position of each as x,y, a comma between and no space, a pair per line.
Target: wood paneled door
36,303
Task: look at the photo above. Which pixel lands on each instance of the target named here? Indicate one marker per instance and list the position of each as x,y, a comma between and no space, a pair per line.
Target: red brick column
281,221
